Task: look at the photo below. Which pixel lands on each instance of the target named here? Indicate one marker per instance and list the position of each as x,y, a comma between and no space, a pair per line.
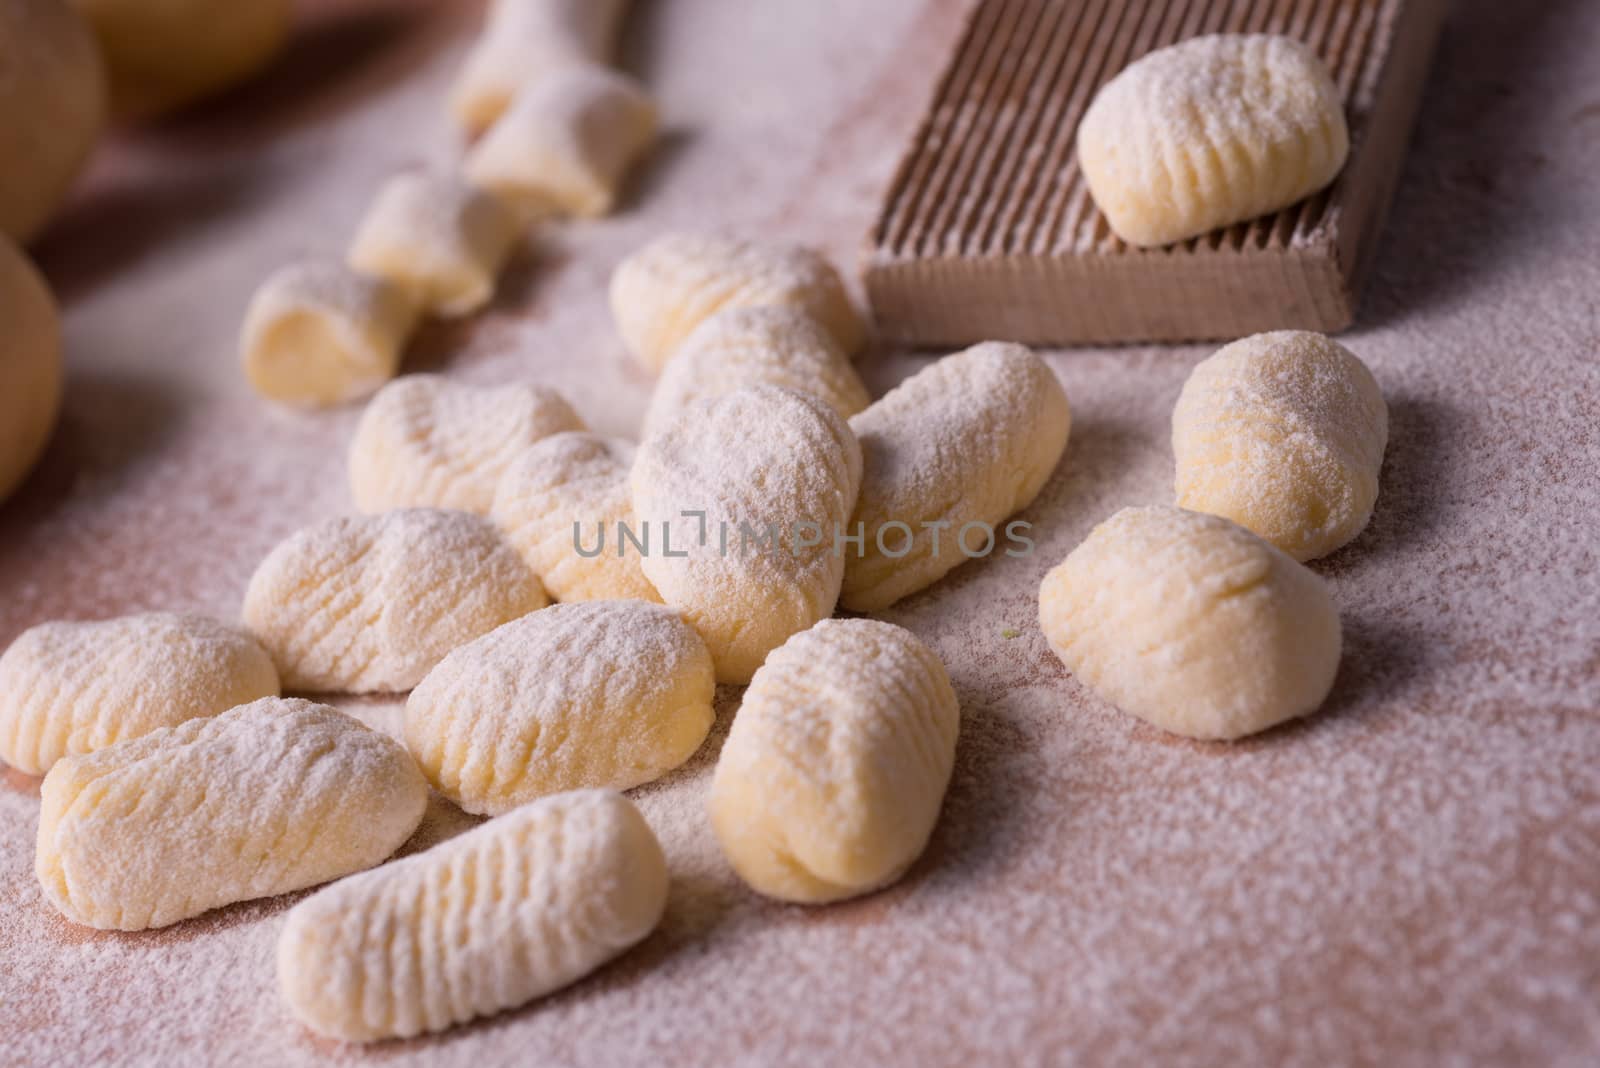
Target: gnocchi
427,442
266,798
1192,623
492,919
1209,132
955,448
1283,433
369,604
746,493
30,365
526,40
567,143
832,777
662,292
598,694
319,334
441,240
563,504
71,688
775,346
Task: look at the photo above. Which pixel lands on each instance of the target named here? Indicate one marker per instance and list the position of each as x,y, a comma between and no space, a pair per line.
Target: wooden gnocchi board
989,230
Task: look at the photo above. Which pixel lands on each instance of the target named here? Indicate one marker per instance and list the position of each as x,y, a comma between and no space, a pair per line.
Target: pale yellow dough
438,238
833,774
268,797
773,474
570,492
662,292
1209,132
425,441
52,108
70,688
1192,623
319,334
947,456
599,694
778,346
30,365
491,919
1283,433
369,604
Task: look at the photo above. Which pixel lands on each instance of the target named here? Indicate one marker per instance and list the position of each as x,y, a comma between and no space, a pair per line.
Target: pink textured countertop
1411,877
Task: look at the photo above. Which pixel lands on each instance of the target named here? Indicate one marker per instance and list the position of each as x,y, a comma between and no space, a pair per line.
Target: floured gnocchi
947,455
744,494
266,798
776,346
566,143
369,604
1192,623
1283,433
438,238
70,688
563,504
524,41
666,289
1209,132
833,774
598,694
425,441
319,334
491,919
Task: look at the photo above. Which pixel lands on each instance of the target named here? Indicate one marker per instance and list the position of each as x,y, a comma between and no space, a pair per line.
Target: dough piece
774,472
425,441
268,797
1192,623
566,144
30,364
1209,132
669,287
369,604
70,688
438,238
318,334
832,776
491,919
570,493
970,439
52,108
163,55
600,694
777,346
525,41
1283,433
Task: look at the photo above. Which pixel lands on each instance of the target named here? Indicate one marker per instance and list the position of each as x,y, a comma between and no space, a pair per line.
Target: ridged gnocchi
427,442
745,493
563,504
526,40
1192,623
68,688
1283,433
490,920
319,334
967,441
776,346
268,797
832,777
566,143
666,289
441,240
1209,132
599,694
369,604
